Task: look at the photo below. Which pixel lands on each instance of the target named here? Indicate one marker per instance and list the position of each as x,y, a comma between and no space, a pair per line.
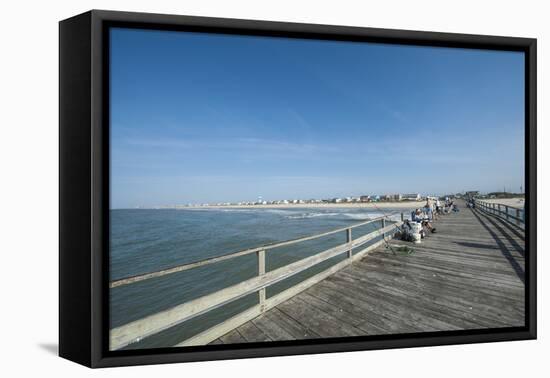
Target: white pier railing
135,331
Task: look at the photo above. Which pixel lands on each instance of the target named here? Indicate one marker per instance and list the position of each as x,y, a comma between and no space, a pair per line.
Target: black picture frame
84,187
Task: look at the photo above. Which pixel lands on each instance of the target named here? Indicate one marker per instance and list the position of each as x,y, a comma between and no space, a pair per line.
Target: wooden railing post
383,226
402,217
134,331
349,240
499,211
518,220
261,272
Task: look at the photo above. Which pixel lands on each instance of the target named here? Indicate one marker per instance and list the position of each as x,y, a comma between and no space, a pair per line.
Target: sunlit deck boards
470,274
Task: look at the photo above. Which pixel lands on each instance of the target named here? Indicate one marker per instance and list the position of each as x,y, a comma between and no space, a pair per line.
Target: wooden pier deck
468,275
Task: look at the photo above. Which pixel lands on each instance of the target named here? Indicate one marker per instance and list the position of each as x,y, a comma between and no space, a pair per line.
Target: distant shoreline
366,205
515,202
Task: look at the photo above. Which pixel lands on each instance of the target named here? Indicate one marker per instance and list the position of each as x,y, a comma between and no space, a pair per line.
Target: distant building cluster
343,200
356,199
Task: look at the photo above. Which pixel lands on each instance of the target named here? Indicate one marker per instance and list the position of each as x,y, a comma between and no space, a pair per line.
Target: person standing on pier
428,209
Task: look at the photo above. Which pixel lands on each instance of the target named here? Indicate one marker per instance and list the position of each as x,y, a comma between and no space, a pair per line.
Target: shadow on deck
468,275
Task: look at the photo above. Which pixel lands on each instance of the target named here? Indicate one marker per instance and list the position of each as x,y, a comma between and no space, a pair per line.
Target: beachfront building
365,199
472,193
411,197
392,197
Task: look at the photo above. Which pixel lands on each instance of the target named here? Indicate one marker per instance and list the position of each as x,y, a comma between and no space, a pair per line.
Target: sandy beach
514,202
366,205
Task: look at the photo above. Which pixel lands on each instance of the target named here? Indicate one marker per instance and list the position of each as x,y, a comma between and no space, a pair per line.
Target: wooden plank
251,333
405,313
180,268
430,267
426,265
141,328
432,305
220,329
224,327
348,301
349,306
349,239
261,272
233,337
440,269
321,323
279,326
423,279
331,309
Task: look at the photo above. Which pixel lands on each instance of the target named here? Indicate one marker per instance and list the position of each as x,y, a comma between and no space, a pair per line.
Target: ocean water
148,240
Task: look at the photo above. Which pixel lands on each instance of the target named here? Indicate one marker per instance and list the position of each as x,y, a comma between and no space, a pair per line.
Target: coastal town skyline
345,200
199,118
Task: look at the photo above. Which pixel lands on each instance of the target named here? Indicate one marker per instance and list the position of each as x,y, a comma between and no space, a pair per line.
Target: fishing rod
384,215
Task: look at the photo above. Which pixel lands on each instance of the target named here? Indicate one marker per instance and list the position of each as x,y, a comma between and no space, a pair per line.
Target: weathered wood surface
134,331
468,275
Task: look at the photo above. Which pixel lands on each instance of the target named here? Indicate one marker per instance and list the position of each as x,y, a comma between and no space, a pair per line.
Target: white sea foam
279,211
359,216
347,215
312,215
217,210
296,214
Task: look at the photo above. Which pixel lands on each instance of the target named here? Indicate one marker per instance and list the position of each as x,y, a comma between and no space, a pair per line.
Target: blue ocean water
146,240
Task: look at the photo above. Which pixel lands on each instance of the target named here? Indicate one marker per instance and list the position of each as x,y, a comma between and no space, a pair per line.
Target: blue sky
215,118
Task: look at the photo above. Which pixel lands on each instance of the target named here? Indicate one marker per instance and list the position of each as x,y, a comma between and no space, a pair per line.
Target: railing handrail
136,330
495,209
502,204
211,260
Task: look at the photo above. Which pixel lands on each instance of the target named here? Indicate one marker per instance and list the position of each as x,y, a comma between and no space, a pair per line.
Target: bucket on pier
416,228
